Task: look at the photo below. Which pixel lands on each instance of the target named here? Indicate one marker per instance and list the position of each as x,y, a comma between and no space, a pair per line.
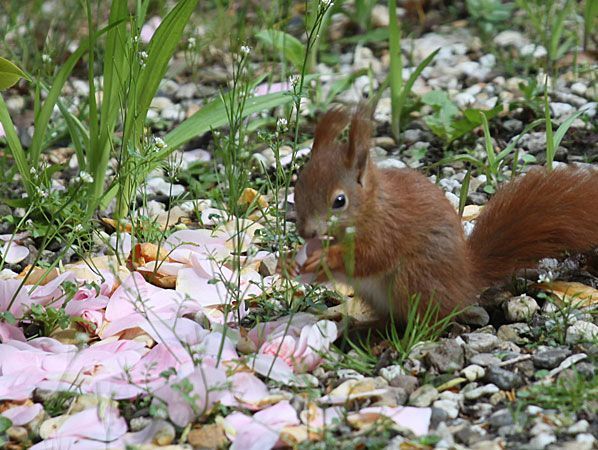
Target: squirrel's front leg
323,259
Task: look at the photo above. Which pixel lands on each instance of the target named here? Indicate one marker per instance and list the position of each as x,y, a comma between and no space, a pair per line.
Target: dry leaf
113,224
37,275
354,390
566,292
208,436
87,270
471,212
251,196
294,435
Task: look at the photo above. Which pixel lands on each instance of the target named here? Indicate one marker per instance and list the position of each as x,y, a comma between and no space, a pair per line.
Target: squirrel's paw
330,258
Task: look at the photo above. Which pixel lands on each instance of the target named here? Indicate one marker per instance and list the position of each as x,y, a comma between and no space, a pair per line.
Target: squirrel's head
335,186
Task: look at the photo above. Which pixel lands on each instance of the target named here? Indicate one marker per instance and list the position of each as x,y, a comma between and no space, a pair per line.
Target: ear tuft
329,127
360,136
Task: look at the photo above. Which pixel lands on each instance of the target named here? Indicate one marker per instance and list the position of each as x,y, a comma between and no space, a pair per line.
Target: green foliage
289,47
489,14
59,403
446,123
5,424
548,18
569,394
10,74
44,320
423,323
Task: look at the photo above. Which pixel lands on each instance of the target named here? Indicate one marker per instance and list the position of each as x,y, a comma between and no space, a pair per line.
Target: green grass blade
14,145
77,131
288,46
550,148
45,113
415,75
160,50
564,127
463,192
213,115
396,67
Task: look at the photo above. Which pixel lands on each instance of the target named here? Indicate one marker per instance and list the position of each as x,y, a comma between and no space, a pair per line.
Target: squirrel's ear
330,127
360,136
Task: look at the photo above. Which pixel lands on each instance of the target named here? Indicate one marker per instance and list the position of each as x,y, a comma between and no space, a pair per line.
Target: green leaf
10,74
213,115
14,145
564,127
5,424
289,46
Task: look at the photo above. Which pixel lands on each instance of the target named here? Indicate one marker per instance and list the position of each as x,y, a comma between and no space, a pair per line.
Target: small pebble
582,331
407,382
423,396
449,406
521,308
473,372
391,372
550,358
487,389
480,342
484,360
504,379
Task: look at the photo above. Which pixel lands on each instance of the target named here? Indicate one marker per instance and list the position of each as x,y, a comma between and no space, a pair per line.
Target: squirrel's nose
305,230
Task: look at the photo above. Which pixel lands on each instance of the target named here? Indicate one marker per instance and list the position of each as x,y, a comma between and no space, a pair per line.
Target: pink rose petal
13,253
22,415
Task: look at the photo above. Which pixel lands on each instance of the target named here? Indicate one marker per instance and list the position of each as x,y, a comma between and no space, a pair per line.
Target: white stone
473,372
451,408
579,427
541,441
391,372
579,88
536,51
161,103
521,308
464,99
510,38
559,109
582,331
161,187
476,393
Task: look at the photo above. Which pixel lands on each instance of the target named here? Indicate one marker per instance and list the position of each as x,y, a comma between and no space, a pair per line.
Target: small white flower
135,39
142,57
47,59
281,124
333,220
326,3
545,277
191,43
85,177
294,80
159,142
245,49
41,192
32,171
350,230
78,228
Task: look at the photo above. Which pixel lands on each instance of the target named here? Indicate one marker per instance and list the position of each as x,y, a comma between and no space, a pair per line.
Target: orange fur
408,239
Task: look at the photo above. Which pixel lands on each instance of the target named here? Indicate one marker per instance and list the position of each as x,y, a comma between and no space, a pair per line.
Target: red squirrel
395,234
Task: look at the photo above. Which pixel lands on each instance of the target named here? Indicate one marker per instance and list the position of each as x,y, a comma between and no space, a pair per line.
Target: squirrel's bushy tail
541,214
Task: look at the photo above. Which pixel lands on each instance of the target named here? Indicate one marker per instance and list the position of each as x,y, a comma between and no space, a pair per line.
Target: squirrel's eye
339,202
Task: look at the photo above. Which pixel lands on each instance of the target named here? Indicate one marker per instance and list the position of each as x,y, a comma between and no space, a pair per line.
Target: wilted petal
13,253
22,415
149,28
416,419
101,424
261,431
9,332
